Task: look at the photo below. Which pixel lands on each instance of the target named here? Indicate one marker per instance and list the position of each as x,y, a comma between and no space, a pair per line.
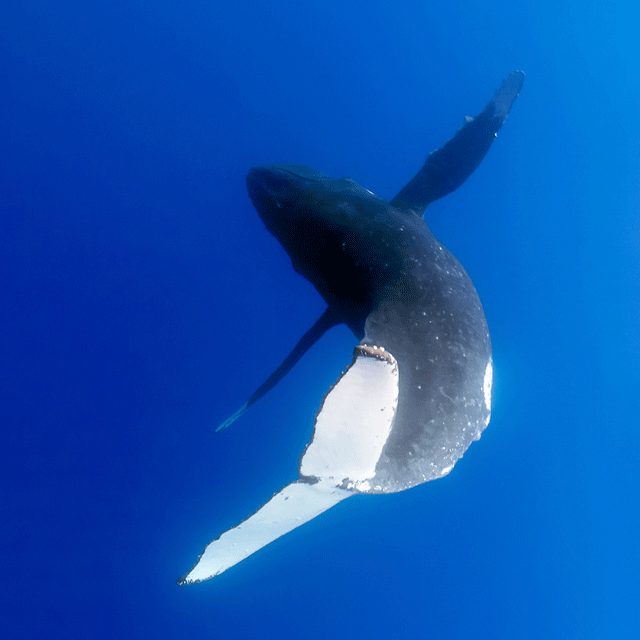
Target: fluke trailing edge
418,390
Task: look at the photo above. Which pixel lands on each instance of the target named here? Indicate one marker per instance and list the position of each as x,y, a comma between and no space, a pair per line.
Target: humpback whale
418,390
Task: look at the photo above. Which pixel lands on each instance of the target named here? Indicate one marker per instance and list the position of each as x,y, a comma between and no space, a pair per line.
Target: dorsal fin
448,167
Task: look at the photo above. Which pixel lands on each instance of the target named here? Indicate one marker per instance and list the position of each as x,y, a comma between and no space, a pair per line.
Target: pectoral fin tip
232,418
291,507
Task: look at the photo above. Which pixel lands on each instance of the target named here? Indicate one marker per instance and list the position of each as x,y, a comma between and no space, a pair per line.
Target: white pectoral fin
291,507
354,422
351,429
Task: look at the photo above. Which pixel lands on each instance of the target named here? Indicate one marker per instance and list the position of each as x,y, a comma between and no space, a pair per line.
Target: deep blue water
142,301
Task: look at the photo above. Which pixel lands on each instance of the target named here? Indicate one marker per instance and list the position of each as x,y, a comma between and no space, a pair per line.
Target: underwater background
142,301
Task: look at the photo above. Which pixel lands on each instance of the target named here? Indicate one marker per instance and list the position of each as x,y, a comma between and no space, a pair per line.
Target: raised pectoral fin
291,507
448,167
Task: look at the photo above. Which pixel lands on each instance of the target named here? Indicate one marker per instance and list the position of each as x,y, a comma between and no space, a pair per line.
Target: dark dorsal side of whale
381,270
384,275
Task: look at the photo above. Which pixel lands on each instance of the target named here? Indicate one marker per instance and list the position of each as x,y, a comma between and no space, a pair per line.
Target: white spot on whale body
487,386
